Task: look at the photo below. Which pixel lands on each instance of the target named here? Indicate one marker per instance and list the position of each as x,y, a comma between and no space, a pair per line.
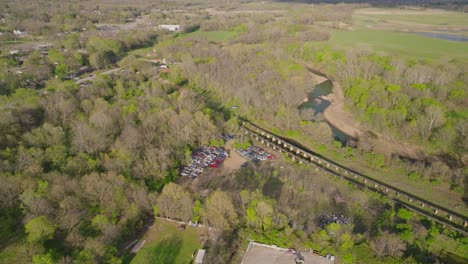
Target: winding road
92,76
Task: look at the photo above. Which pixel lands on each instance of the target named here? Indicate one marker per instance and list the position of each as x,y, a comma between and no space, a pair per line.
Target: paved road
90,78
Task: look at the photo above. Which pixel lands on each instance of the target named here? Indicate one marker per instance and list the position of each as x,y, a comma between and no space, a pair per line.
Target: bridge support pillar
436,211
465,224
450,217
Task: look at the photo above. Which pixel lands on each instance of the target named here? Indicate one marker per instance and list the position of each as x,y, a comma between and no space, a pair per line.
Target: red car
214,165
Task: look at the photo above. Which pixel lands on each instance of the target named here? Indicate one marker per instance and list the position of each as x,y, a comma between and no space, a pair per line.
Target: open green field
167,244
215,36
428,17
405,44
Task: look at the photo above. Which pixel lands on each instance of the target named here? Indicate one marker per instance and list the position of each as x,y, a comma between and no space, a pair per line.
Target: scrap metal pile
255,154
205,157
202,158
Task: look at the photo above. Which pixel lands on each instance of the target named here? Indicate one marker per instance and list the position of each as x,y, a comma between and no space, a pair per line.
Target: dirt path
336,115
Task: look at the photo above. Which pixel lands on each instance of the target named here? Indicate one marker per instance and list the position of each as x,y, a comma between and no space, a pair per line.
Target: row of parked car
205,157
202,158
255,154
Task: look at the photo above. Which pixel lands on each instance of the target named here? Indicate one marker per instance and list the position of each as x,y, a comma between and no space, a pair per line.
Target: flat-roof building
172,28
257,253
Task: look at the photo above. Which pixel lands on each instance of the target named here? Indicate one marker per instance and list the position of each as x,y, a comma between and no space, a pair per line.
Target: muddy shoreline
337,116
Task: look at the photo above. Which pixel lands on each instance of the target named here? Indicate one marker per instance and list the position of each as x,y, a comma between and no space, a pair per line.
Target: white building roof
170,27
200,256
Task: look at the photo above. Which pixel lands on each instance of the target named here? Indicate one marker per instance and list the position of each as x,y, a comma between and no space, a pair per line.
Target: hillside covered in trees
100,109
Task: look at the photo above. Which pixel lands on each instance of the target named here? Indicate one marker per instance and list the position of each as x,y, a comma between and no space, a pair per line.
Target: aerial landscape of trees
93,132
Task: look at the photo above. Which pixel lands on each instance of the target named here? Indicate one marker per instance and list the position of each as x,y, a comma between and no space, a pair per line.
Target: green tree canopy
39,229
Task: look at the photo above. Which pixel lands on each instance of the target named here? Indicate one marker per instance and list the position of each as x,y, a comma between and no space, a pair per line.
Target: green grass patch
444,243
405,44
165,243
453,18
141,52
215,36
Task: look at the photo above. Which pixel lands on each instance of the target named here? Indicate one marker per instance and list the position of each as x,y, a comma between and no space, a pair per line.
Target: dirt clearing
234,160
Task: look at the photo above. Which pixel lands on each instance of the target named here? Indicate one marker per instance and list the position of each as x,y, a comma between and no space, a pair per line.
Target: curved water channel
318,100
444,36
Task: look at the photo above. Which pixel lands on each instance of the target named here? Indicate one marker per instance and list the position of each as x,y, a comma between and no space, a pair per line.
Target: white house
171,28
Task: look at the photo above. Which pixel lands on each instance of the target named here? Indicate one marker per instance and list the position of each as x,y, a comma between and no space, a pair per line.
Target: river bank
339,118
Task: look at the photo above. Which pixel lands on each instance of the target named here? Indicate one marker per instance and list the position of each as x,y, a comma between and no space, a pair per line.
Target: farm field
405,44
165,243
429,17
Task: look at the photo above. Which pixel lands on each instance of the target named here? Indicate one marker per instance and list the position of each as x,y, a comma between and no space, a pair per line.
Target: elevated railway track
303,155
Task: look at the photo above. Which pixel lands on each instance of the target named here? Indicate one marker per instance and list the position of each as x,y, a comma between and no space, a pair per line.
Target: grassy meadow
388,30
167,244
426,17
406,44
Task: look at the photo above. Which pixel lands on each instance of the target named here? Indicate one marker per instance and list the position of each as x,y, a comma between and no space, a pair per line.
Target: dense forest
88,160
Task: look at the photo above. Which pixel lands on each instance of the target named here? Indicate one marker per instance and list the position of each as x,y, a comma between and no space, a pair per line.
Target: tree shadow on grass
166,251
